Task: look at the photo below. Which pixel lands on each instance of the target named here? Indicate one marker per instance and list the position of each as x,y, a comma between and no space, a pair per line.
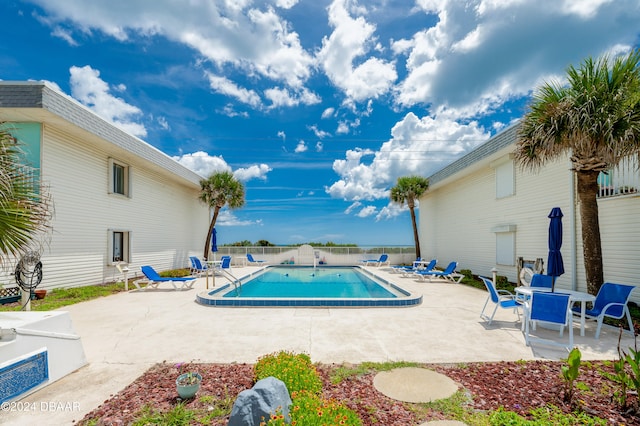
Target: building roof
486,150
26,101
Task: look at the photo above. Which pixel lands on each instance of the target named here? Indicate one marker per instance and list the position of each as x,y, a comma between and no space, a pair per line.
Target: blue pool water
305,286
311,282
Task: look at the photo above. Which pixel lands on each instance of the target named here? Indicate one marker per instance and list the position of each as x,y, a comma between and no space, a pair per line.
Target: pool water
312,282
306,286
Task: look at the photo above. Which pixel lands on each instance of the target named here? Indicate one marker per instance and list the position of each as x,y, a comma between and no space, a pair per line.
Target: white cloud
301,147
280,97
351,39
367,211
88,88
257,171
227,217
319,133
352,207
328,113
227,87
418,147
391,210
319,146
203,164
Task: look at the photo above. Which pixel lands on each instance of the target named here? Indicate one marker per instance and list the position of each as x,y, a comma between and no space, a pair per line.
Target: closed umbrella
214,249
555,266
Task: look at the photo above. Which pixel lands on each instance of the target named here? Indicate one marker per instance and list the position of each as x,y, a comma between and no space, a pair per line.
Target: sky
316,106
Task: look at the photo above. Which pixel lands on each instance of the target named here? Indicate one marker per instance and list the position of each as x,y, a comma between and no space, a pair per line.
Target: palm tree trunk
591,244
415,232
207,244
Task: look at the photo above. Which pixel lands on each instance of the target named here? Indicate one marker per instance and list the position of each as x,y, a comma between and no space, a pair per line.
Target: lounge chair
611,301
382,260
154,280
197,268
419,268
502,299
448,274
252,261
550,308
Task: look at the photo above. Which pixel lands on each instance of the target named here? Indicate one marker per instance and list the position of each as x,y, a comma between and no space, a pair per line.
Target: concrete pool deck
125,334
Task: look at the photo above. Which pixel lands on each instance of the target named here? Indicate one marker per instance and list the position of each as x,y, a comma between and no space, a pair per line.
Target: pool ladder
232,279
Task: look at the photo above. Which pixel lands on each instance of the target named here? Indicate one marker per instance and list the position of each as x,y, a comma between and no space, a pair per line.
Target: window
119,246
119,178
504,179
505,244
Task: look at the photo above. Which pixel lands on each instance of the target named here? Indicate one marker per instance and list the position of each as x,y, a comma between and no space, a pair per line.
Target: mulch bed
517,386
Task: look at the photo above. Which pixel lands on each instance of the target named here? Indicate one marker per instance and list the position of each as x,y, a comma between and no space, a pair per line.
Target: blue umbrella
214,241
555,266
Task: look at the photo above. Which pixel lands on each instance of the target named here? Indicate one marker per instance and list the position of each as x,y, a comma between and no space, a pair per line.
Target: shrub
295,370
309,409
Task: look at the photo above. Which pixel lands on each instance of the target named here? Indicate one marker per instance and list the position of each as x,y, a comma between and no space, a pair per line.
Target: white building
115,197
484,211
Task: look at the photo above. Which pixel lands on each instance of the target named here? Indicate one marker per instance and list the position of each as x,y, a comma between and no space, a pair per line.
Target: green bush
295,370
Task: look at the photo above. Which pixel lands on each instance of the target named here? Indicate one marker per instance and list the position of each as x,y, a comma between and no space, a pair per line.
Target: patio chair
225,263
549,308
252,261
448,274
154,280
382,260
541,281
197,268
501,298
418,265
611,301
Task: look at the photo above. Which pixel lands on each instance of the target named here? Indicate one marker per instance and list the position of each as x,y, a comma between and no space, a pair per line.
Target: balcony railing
624,179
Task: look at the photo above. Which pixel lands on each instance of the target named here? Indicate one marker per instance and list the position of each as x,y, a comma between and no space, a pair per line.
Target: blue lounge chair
550,308
382,260
611,301
448,274
418,265
225,263
252,261
501,298
154,280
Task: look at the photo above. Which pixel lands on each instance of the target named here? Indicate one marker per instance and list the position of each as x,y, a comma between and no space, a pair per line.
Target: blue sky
316,106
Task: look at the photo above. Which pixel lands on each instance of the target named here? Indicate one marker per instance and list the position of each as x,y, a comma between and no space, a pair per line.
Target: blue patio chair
501,298
550,308
252,261
154,279
448,274
541,281
225,263
611,301
197,268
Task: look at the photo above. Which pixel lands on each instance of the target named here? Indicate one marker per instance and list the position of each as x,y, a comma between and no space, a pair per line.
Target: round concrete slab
414,384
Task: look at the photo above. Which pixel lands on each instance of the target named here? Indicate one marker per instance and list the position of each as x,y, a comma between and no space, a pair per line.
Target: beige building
486,212
115,197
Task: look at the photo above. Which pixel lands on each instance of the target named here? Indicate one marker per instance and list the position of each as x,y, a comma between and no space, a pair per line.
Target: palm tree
216,191
25,209
407,190
595,119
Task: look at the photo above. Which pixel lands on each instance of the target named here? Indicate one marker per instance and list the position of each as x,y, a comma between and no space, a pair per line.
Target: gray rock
266,397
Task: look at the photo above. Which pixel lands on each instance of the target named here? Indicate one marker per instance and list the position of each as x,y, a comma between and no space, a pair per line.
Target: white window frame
126,190
111,246
505,176
505,245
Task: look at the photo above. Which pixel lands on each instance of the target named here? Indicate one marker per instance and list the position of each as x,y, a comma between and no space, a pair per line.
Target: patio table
574,296
212,264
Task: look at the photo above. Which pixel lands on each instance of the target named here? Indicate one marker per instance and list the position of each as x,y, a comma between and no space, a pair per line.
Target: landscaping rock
254,405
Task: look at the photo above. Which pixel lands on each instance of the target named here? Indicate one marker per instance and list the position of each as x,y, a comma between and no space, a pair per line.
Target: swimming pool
334,286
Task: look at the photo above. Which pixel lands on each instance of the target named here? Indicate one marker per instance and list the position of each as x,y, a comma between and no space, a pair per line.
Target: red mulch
517,386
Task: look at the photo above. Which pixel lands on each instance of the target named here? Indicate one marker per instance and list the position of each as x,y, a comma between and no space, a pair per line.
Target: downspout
574,258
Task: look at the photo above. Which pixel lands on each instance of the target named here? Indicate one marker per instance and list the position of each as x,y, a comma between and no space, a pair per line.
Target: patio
123,335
